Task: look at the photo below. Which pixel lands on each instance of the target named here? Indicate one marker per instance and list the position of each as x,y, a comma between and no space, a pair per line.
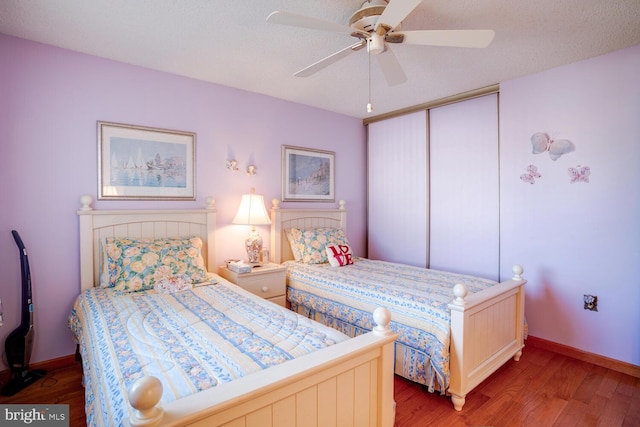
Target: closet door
464,187
398,190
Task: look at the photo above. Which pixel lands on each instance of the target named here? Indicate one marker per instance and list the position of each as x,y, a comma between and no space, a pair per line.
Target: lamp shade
252,211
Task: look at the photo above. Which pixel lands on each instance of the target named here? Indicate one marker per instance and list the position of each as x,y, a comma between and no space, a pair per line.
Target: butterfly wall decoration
579,174
531,175
540,142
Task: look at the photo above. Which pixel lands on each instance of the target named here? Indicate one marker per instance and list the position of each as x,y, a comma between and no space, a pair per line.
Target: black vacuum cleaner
19,342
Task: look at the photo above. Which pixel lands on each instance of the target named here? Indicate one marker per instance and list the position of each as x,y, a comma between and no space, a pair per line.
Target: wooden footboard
347,384
486,327
486,331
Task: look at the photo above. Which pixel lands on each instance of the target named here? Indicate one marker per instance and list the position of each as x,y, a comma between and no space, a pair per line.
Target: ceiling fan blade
395,12
452,38
295,20
391,68
335,57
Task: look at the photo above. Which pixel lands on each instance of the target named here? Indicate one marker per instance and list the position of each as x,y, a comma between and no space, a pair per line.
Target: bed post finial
517,272
211,203
85,201
341,205
144,395
275,203
459,291
382,317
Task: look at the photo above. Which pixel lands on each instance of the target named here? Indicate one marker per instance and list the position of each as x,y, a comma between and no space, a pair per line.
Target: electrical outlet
591,302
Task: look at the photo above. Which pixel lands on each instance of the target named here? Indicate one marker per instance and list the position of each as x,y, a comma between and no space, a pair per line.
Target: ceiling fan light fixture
376,44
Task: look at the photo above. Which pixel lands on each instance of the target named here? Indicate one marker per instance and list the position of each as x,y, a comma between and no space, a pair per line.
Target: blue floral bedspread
418,298
191,340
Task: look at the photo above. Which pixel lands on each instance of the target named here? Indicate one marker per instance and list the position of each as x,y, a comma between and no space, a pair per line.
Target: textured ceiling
229,42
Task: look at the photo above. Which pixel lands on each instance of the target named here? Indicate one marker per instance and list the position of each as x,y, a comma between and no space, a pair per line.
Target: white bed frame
486,327
347,384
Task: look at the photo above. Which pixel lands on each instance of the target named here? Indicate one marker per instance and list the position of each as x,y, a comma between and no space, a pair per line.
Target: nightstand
268,281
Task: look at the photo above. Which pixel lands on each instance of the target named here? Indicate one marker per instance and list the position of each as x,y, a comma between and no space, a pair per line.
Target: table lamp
252,212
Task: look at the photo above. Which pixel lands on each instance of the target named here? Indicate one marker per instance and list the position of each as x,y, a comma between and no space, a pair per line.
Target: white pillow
339,255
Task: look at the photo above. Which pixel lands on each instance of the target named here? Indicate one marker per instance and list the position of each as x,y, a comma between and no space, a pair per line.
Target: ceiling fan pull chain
369,105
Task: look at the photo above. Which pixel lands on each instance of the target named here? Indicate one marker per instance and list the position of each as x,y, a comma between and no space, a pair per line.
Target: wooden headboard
95,225
281,219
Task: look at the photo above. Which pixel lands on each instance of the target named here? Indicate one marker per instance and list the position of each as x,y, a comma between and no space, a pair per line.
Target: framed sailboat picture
145,163
307,174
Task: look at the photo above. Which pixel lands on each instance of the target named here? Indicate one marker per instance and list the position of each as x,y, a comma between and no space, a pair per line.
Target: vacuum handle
27,303
18,240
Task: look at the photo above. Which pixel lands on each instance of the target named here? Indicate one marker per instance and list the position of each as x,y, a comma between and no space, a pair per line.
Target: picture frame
307,174
145,163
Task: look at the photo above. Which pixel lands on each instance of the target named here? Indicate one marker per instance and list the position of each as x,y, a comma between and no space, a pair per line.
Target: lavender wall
572,238
580,238
50,100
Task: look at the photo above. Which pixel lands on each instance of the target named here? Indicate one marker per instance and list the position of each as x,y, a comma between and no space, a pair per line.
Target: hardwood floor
61,385
543,389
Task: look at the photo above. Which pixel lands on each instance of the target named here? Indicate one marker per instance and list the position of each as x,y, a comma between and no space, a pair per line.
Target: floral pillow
309,245
293,235
137,264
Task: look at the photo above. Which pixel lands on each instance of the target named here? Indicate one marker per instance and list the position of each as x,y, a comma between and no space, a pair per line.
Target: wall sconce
252,212
252,170
232,165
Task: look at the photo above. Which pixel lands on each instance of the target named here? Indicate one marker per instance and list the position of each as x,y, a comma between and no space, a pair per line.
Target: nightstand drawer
268,281
265,285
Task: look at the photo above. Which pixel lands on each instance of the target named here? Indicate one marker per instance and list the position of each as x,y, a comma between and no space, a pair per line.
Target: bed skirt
410,363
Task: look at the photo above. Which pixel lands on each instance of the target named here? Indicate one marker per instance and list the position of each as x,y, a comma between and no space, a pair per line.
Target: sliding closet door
398,190
464,187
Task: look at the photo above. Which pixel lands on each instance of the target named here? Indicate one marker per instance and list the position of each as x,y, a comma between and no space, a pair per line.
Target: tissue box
238,267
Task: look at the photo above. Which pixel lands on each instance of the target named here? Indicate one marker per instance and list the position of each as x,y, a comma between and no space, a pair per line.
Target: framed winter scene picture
307,174
145,163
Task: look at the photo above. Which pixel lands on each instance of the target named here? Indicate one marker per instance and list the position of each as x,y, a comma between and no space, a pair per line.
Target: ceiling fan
375,24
